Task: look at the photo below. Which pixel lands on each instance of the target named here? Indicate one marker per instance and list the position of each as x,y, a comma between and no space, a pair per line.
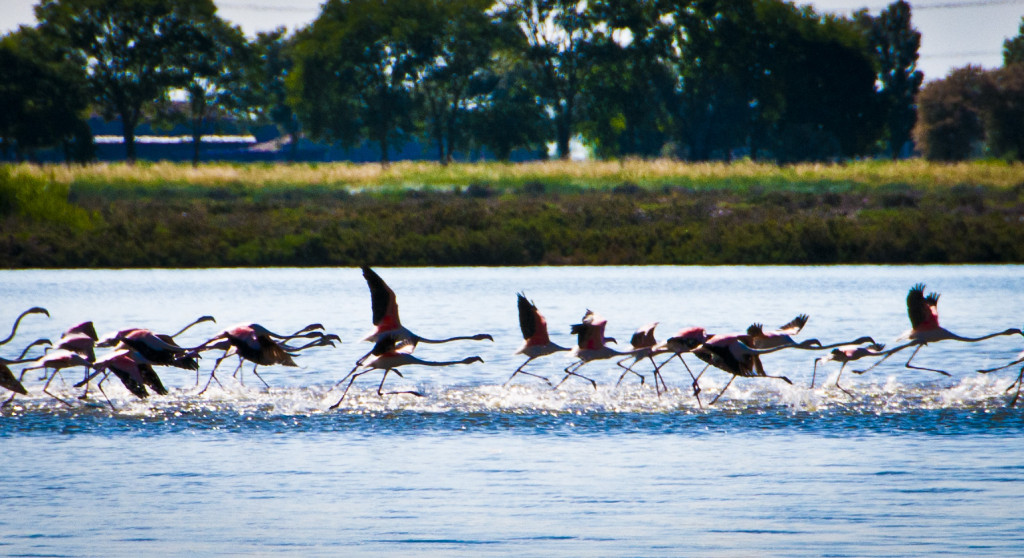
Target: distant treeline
841,215
696,80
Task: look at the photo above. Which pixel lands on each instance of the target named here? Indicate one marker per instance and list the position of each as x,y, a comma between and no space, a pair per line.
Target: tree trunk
382,141
129,142
197,140
562,136
293,149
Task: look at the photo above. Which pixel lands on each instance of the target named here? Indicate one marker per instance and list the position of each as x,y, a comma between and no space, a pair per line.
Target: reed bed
553,175
544,213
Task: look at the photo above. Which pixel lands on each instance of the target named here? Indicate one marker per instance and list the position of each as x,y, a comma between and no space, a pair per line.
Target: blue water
913,464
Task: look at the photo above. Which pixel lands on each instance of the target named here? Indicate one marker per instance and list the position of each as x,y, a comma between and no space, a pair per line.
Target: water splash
234,403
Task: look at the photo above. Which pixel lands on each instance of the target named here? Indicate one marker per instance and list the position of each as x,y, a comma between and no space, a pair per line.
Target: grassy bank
634,212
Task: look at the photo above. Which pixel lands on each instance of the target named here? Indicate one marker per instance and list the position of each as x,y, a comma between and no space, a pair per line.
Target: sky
953,33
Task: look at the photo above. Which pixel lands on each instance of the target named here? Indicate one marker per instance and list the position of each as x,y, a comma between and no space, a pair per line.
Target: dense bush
898,223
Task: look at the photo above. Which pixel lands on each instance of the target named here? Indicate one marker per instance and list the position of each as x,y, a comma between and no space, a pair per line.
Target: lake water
913,464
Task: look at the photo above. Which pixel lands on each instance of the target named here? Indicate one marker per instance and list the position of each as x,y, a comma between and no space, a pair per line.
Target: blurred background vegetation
752,131
551,213
696,80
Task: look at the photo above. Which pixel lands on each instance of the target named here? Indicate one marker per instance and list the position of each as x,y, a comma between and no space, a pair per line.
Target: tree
557,34
722,81
629,87
267,93
43,97
1002,107
213,63
1013,48
449,86
821,91
509,116
131,49
355,70
949,122
895,44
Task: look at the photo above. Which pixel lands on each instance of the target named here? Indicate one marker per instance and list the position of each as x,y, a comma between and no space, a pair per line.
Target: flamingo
384,305
150,347
9,382
390,352
57,359
684,341
730,353
644,346
256,344
590,345
7,379
536,342
80,338
924,320
262,345
1020,376
847,354
132,369
127,365
14,328
158,348
760,339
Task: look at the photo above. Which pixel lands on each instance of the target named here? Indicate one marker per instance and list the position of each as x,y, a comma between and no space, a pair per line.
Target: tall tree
630,84
949,121
43,97
723,84
557,33
822,84
1002,107
214,58
267,93
464,42
895,43
355,70
131,49
509,116
1013,48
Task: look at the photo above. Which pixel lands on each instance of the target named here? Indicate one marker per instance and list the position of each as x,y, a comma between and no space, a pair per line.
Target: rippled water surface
912,463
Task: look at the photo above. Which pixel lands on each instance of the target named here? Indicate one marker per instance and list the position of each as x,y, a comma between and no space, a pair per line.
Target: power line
964,54
268,8
967,4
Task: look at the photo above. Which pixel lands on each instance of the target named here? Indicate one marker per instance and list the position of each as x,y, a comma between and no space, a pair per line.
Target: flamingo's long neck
14,329
189,326
456,338
984,337
415,360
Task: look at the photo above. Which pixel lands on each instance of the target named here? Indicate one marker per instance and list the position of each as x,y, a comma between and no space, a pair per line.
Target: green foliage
43,97
449,88
214,62
895,44
266,94
949,123
1003,111
39,200
557,34
355,69
1013,48
629,88
133,50
780,218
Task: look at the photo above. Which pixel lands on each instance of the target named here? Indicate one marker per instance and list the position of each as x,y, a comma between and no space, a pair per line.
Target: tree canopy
696,79
132,50
43,97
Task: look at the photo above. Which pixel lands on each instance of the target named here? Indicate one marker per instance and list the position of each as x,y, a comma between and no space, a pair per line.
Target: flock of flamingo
134,352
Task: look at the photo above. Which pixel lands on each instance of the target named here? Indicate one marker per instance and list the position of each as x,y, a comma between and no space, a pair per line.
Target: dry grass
598,174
